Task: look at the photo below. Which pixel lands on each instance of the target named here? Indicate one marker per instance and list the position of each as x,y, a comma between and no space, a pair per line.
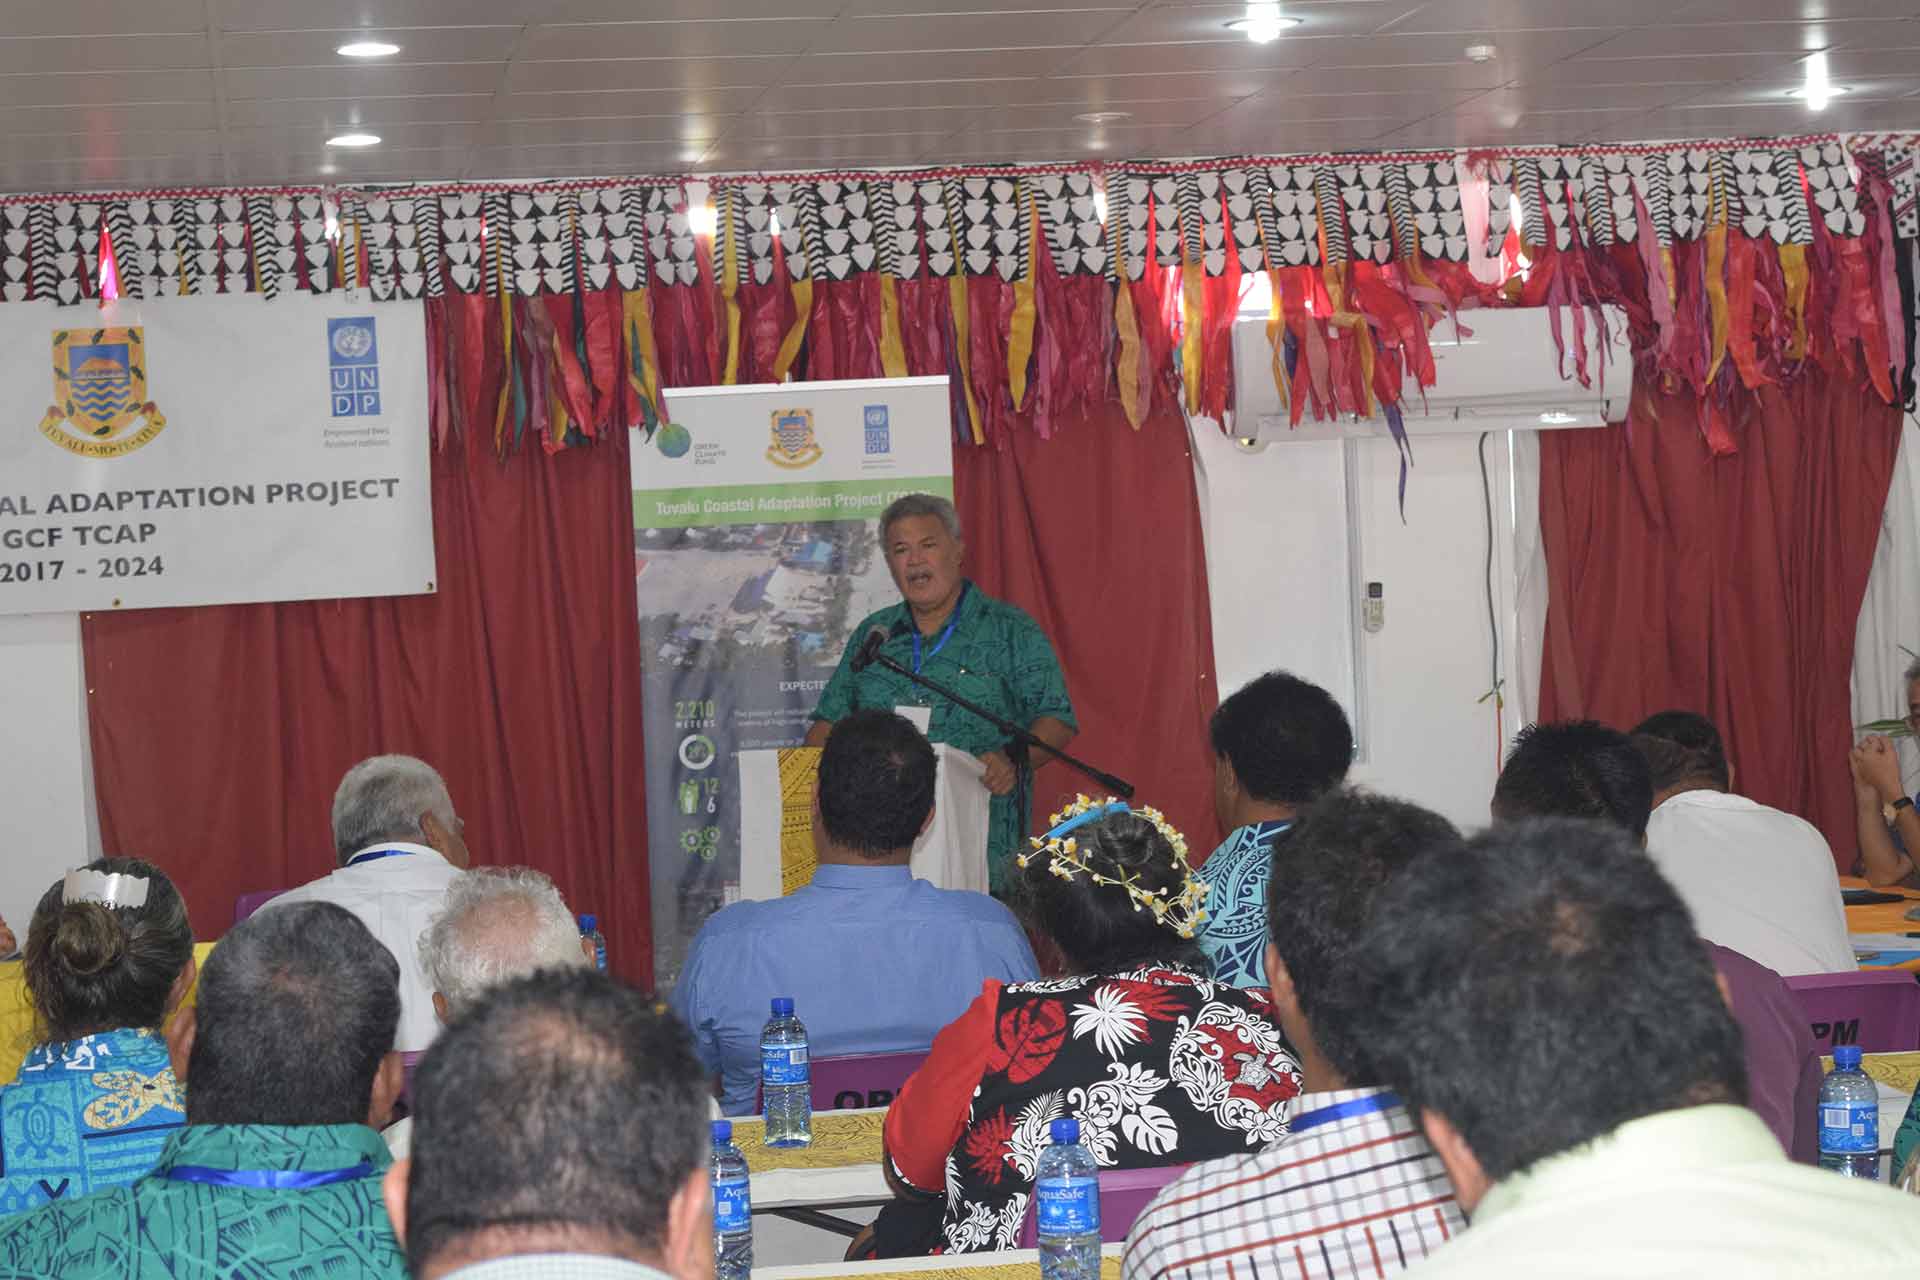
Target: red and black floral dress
1160,1065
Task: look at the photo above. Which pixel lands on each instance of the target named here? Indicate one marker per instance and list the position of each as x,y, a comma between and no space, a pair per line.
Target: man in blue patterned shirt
1278,744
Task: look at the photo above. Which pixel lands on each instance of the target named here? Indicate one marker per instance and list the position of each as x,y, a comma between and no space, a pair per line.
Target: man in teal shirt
989,652
289,1069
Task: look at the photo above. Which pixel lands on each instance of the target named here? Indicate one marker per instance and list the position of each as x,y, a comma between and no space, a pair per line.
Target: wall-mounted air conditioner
1501,371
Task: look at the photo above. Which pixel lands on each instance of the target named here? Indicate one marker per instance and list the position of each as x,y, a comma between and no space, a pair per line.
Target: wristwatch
1892,811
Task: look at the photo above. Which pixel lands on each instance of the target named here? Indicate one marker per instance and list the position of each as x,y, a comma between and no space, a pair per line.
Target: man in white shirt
1758,880
398,841
1541,1001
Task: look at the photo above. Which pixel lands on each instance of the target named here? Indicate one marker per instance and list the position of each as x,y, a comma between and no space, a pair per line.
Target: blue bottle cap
588,923
1065,1131
1846,1055
722,1132
783,1006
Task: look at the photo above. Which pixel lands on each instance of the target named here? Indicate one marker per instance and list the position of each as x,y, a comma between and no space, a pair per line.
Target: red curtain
1729,585
219,734
1097,534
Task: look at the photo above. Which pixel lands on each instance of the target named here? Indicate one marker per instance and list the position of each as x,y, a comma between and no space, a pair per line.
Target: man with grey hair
949,631
1888,822
399,845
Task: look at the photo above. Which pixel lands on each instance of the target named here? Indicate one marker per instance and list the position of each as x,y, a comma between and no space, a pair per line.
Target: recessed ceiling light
1831,91
368,49
1263,28
1818,89
1482,52
1103,117
354,140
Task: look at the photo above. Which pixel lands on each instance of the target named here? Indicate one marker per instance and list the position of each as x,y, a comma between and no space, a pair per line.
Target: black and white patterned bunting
1295,199
1070,219
1331,216
1439,225
1499,206
1835,193
1690,179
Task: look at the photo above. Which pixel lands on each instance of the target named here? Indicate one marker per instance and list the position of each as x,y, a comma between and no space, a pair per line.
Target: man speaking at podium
954,634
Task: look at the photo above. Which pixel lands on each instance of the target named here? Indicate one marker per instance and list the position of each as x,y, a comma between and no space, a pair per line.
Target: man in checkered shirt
1353,1189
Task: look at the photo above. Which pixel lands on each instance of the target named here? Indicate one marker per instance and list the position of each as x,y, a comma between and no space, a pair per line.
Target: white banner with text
217,450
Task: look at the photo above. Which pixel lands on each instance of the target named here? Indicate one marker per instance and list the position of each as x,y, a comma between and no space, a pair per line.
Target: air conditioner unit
1500,371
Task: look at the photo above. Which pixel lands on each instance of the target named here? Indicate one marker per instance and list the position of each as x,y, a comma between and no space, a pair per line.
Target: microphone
869,648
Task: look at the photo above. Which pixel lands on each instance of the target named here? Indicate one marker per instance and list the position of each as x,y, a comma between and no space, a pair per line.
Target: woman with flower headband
109,957
1160,1064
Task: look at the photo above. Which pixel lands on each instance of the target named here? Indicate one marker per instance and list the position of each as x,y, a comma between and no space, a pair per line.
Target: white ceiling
128,93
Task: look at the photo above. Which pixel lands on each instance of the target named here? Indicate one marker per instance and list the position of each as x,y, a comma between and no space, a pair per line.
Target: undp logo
879,437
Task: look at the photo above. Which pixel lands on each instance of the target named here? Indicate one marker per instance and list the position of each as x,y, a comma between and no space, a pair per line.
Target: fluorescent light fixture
1100,205
1818,90
702,219
1263,23
354,140
368,49
1103,117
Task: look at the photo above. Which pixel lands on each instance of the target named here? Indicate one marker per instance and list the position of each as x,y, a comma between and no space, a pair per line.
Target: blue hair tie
1081,820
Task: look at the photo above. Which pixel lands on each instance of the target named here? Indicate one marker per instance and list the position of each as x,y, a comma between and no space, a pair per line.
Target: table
16,1012
1020,1264
1884,917
1895,1075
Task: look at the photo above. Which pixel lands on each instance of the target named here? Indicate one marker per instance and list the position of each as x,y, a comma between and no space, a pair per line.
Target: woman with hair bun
1160,1064
109,956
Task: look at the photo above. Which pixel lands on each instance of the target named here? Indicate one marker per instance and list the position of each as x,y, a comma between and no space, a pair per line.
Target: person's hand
8,945
1000,772
1876,763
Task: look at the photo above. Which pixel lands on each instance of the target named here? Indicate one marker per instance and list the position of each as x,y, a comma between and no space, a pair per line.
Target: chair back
1124,1195
1877,1009
248,903
856,1080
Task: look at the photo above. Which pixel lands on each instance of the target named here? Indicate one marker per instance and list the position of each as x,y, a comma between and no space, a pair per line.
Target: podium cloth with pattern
997,658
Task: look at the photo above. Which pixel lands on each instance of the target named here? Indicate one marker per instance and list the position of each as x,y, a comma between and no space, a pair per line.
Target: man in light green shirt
1540,1000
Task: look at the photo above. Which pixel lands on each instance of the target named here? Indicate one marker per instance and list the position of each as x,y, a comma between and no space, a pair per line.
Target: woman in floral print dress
1160,1064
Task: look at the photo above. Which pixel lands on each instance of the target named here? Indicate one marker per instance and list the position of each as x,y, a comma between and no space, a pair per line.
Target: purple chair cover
1877,1009
1124,1195
857,1080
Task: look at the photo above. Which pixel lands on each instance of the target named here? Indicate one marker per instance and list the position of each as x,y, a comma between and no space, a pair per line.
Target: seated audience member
287,1058
561,1131
1543,1004
1277,744
109,957
1889,824
1160,1064
1583,769
1756,879
1353,1168
496,923
399,845
876,961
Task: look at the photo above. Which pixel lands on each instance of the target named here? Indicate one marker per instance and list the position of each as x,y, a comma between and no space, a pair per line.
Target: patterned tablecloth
1021,1265
841,1167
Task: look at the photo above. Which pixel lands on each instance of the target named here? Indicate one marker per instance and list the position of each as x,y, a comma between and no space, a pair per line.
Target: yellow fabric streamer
505,284
790,345
1276,318
1192,317
1020,324
1717,307
893,351
637,315
957,304
1128,327
730,284
1793,266
1673,281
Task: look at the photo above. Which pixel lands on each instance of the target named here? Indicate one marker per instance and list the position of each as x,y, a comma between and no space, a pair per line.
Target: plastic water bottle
732,1207
590,930
1066,1192
1849,1118
785,1083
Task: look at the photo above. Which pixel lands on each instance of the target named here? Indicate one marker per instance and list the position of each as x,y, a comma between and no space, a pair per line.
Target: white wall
48,823
1287,569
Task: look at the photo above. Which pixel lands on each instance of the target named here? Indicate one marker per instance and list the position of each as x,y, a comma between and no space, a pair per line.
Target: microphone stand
1021,741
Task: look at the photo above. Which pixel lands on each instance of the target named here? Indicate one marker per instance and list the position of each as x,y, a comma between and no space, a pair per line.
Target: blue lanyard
374,855
1342,1111
268,1179
945,636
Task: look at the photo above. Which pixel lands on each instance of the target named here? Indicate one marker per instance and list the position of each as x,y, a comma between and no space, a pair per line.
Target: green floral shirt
162,1229
997,657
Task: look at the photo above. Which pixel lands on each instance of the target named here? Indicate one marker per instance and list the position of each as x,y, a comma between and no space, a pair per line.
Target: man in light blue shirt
875,960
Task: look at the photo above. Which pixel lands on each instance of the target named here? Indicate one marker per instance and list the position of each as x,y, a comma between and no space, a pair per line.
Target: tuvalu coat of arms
793,444
100,407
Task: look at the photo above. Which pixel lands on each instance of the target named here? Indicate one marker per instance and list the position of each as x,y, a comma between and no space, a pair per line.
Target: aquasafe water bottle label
1850,1128
732,1207
783,1064
1067,1206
